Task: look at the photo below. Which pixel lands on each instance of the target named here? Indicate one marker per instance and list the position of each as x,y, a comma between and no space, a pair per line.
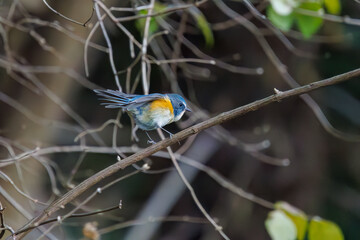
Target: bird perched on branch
148,111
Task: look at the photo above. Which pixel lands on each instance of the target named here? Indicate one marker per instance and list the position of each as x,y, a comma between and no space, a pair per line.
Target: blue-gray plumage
148,111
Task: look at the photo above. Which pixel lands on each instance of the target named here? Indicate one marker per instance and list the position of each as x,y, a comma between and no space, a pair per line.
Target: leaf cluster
305,15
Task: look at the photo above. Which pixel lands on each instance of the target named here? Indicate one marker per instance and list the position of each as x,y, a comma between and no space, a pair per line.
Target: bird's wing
140,100
117,99
148,98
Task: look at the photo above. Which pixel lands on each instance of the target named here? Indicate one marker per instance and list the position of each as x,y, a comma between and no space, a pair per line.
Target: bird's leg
150,141
170,134
133,133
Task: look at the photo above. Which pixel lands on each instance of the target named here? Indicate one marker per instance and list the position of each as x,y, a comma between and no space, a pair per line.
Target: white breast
162,117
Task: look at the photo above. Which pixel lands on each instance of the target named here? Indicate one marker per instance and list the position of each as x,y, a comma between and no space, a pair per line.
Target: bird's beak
188,109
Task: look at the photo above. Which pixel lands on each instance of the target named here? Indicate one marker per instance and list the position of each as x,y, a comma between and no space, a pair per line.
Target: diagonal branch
223,117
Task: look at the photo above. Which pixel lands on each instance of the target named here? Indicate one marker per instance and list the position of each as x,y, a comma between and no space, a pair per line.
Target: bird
150,111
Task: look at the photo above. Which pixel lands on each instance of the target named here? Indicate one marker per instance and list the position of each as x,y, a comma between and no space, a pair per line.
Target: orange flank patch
162,103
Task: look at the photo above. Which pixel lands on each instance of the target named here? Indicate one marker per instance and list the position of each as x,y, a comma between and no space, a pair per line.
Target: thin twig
144,49
8,179
328,17
182,60
156,14
75,215
99,129
21,210
222,181
191,190
219,63
75,169
67,18
108,42
130,223
2,224
51,95
135,9
119,25
87,41
95,193
58,27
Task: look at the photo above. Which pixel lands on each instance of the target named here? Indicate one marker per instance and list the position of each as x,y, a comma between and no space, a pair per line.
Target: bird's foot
170,134
151,142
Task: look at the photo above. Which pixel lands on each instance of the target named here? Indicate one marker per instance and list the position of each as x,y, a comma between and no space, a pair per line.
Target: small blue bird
148,111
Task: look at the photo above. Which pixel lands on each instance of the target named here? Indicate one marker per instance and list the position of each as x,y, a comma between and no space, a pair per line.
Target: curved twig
67,18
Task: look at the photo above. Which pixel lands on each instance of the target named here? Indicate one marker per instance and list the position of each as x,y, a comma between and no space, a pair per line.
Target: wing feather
117,99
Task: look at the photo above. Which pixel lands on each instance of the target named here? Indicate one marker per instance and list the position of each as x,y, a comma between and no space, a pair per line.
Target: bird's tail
114,99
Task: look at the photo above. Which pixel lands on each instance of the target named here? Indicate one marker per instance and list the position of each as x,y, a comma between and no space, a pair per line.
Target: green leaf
140,23
203,25
279,226
323,229
333,6
282,22
153,27
308,25
298,217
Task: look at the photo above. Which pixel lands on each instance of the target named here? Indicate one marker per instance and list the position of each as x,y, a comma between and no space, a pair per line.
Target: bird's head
179,105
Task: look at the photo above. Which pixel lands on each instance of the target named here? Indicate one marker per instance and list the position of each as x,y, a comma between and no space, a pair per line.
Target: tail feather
114,99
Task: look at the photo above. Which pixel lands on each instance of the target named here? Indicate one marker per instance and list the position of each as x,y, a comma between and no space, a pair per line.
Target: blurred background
282,152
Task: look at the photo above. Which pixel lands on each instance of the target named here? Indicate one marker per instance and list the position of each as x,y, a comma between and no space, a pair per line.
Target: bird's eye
181,105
